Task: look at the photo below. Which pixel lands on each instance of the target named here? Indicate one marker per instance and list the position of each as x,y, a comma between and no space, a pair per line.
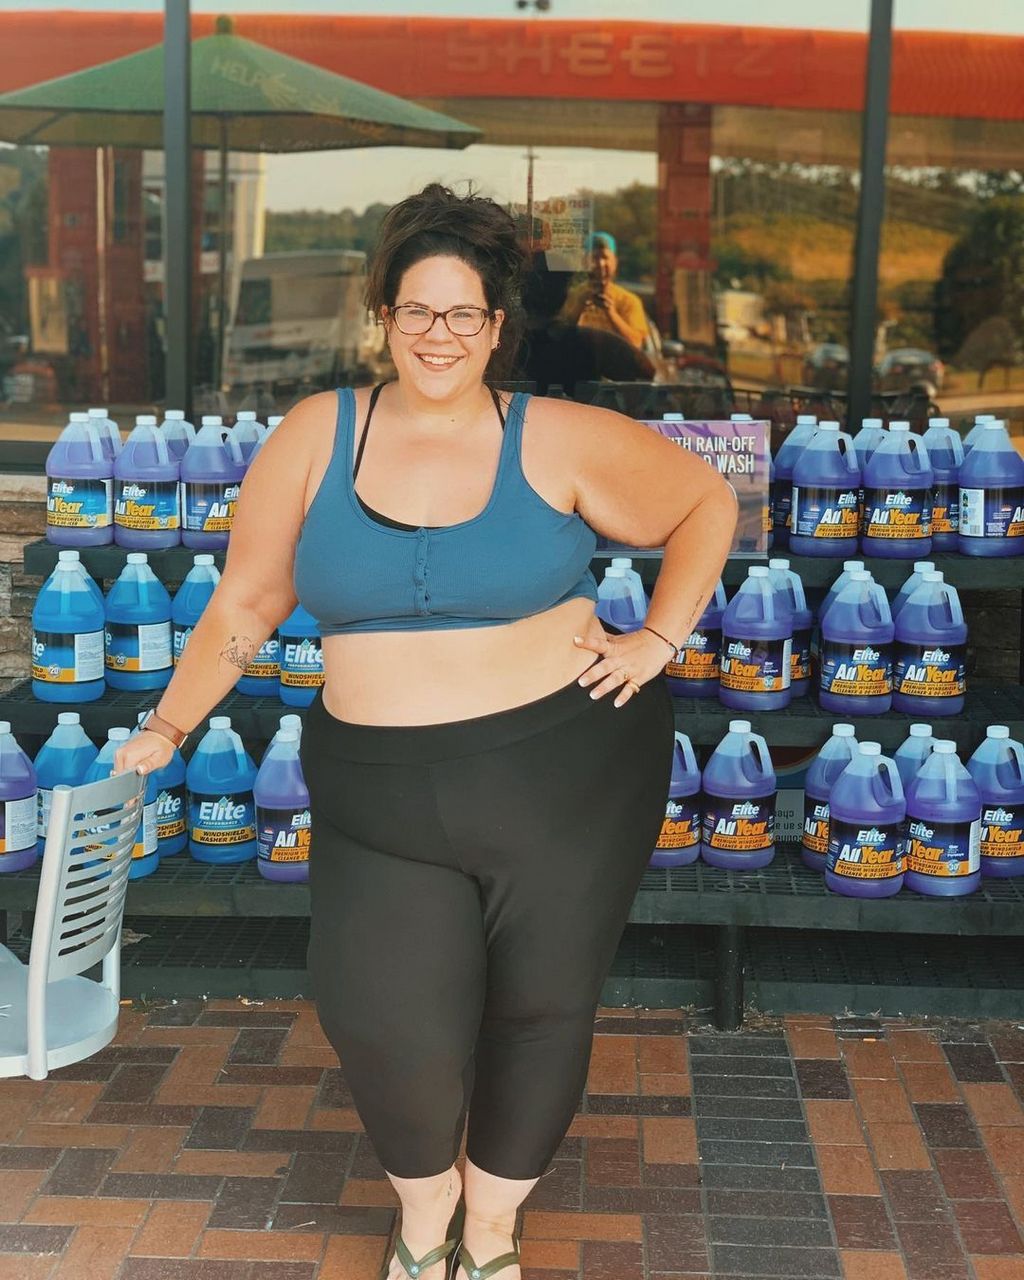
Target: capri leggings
470,882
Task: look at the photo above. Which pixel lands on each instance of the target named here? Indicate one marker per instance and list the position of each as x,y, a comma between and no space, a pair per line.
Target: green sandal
491,1268
414,1267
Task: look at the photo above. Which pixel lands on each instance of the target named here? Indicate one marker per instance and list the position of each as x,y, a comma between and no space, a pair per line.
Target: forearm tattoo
238,651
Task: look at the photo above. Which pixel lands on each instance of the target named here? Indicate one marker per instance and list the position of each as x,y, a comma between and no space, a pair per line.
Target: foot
424,1229
487,1240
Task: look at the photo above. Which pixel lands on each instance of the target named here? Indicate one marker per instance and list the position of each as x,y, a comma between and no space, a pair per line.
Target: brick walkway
218,1142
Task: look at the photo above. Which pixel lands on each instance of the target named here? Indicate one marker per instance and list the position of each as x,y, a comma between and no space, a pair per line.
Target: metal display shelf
784,895
802,724
967,572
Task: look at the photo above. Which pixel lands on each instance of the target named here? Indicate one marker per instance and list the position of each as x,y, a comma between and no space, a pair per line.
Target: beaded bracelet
660,637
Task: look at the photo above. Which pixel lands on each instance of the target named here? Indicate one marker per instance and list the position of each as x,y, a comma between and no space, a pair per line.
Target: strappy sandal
415,1267
490,1268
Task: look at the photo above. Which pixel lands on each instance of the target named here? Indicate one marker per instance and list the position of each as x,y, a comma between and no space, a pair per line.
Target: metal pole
178,204
102,269
222,257
870,211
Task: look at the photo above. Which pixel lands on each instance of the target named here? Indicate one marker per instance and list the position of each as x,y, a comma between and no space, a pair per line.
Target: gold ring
633,685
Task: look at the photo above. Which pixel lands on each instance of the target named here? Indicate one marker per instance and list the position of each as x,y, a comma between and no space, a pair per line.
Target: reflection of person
600,303
487,767
558,353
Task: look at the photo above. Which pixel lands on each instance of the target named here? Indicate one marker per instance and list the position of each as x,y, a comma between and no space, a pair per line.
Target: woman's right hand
143,753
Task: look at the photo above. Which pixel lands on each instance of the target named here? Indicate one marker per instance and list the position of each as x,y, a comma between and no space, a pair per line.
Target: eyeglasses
463,322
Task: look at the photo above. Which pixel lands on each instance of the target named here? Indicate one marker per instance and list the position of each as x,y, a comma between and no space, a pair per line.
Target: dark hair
478,231
544,291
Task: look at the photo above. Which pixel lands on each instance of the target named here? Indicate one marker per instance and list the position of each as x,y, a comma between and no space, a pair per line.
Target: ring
633,685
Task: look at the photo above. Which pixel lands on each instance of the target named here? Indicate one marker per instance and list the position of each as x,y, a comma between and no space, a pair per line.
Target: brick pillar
683,299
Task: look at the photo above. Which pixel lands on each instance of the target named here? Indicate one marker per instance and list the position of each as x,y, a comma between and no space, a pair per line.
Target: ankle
490,1222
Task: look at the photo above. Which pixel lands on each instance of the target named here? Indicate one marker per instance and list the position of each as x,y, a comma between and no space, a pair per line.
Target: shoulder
304,433
308,416
578,428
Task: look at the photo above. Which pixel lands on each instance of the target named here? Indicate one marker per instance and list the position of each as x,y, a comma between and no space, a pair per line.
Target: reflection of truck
300,322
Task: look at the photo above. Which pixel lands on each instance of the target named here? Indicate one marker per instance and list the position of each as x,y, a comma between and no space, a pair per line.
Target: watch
158,725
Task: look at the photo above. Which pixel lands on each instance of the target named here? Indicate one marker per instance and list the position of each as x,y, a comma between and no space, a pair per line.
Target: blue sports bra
520,556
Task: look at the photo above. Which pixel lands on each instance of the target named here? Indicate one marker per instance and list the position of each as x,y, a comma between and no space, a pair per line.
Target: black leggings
470,882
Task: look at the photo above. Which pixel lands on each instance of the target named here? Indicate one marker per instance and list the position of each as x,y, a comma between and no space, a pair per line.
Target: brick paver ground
215,1141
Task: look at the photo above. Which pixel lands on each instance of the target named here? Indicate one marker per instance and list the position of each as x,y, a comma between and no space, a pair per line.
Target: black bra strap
374,397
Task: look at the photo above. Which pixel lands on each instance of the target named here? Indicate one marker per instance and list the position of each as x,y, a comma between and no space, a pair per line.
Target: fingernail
594,694
577,639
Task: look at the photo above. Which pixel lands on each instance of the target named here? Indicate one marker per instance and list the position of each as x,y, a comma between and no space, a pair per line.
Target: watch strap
158,725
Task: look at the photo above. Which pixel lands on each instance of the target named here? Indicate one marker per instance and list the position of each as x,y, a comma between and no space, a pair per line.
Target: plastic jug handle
688,753
950,594
919,452
1017,751
879,596
888,768
233,447
849,452
760,748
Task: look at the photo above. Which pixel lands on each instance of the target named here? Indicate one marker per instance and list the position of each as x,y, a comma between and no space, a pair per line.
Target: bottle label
44,802
1002,829
302,663
856,670
79,503
782,505
138,647
767,521
179,639
897,513
947,849
865,852
699,657
742,826
19,819
800,657
930,670
170,812
816,826
208,507
146,837
945,508
265,665
283,834
825,513
60,657
681,826
221,820
992,513
147,505
756,666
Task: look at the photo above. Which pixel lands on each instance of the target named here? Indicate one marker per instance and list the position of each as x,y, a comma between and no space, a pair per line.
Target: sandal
415,1267
490,1268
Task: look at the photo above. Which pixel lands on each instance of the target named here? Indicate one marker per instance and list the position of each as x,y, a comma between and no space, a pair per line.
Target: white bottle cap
997,731
938,422
871,748
622,562
806,420
614,571
860,575
933,575
851,566
68,557
828,426
291,722
95,412
672,417
287,735
739,726
980,418
993,425
758,571
778,563
138,557
923,566
175,415
69,717
843,731
274,421
920,731
944,747
212,420
5,726
78,417
871,422
145,419
245,415
220,722
203,557
740,417
118,734
898,427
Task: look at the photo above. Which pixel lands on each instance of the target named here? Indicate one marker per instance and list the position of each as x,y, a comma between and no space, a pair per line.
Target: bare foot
423,1231
488,1240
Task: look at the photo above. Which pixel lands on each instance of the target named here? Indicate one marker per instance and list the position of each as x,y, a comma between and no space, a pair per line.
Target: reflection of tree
311,229
23,223
982,277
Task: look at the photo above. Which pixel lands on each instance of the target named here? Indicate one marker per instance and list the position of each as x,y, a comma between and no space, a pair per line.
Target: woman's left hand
627,661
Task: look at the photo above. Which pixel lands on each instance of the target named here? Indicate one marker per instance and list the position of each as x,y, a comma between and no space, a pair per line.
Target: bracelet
660,637
164,729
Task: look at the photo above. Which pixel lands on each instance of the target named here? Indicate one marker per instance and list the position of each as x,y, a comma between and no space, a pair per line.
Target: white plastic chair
50,1015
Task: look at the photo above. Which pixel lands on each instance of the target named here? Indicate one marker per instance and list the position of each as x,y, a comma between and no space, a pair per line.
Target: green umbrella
245,97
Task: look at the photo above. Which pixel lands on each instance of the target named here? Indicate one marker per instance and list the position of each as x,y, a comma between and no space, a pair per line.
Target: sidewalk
218,1142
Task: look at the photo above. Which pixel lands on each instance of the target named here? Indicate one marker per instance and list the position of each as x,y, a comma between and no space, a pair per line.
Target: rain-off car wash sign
739,452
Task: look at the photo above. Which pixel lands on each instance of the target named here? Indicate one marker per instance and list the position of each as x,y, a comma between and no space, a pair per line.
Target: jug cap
175,415
938,422
145,419
920,731
997,731
621,562
96,412
290,721
5,726
778,563
287,735
274,420
739,726
672,417
138,557
245,415
220,722
851,566
944,747
758,571
203,557
740,417
843,731
870,748
118,734
212,420
78,417
828,426
933,575
69,717
871,422
68,557
923,566
993,424
860,575
979,418
615,571
806,420
898,427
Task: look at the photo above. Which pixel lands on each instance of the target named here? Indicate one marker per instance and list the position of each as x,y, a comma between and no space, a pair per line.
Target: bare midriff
432,677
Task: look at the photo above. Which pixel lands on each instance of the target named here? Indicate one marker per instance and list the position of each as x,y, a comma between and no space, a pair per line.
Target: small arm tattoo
238,651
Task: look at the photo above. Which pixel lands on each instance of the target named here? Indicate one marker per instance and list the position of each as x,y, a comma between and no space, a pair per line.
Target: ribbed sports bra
518,557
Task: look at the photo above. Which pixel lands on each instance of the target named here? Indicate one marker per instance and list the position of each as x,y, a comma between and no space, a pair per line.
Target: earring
496,345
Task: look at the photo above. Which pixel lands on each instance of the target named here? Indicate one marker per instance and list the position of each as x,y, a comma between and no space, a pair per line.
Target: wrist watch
158,725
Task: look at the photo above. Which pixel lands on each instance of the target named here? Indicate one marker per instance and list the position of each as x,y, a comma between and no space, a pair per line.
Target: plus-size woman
487,767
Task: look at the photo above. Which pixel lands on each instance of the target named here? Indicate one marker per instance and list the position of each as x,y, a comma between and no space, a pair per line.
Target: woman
485,790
